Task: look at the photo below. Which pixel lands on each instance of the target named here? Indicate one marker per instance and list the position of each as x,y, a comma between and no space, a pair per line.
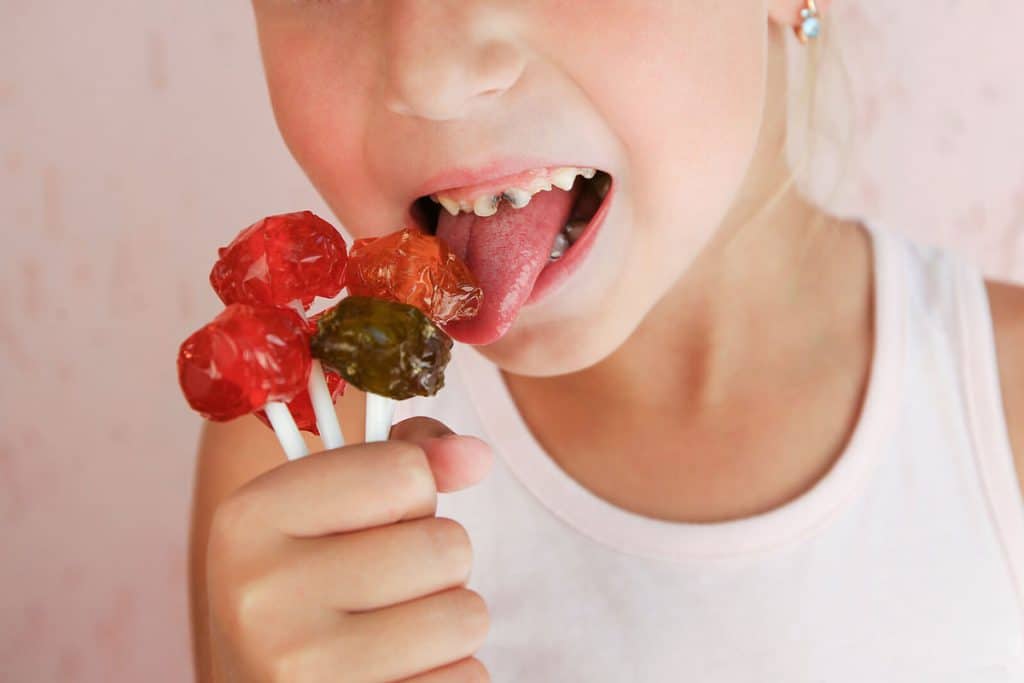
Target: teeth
563,178
559,246
517,197
539,185
450,205
573,230
486,206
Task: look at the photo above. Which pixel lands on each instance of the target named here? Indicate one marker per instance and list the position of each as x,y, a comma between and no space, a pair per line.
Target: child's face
376,98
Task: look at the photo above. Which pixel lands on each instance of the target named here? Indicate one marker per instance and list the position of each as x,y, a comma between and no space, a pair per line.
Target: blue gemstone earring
810,25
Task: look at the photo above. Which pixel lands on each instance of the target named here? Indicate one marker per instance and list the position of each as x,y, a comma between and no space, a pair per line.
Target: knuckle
252,607
475,620
450,541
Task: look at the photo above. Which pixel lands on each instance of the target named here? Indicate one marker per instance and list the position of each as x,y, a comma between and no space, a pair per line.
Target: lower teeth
559,247
566,238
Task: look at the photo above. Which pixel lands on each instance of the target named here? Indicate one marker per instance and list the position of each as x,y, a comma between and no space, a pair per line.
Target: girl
736,438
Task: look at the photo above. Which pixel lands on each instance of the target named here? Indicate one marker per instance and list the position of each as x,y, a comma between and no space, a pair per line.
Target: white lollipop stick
320,397
323,406
286,430
380,411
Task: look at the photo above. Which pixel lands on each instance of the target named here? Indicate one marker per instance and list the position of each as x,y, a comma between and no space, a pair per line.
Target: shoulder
1007,304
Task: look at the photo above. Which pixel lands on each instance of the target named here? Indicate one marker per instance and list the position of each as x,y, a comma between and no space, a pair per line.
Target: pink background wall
136,137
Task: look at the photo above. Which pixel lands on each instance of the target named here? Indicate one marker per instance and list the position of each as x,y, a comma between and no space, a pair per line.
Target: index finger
350,488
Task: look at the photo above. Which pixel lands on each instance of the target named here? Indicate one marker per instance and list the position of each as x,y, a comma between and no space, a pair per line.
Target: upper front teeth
450,205
517,197
487,205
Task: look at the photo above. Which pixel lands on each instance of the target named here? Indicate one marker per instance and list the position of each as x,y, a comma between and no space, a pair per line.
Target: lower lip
557,272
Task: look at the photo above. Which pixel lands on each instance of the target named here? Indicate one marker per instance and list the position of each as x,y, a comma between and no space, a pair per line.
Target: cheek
319,95
658,79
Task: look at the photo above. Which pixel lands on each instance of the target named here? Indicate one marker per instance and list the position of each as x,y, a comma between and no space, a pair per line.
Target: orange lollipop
414,268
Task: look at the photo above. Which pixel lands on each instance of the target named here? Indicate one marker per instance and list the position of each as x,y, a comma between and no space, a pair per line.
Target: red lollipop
280,260
288,260
247,357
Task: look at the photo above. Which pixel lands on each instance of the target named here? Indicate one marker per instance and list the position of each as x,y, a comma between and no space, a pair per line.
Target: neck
757,276
756,285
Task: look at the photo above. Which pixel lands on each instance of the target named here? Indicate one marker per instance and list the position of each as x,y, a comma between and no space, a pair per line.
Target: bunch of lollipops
267,354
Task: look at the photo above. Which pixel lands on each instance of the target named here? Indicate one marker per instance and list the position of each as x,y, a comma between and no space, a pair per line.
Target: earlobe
786,13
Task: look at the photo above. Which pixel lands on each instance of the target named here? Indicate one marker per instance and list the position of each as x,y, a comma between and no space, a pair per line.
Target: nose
446,56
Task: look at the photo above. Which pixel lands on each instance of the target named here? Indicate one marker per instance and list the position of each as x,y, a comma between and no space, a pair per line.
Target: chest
871,600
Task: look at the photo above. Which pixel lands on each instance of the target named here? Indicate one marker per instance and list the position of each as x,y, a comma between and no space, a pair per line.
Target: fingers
419,429
410,559
360,486
456,461
403,640
351,488
469,670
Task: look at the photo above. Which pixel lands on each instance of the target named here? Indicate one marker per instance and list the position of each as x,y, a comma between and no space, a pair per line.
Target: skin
645,348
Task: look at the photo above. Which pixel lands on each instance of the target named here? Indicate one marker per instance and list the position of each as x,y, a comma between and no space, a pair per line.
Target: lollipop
288,260
281,260
383,339
248,358
414,268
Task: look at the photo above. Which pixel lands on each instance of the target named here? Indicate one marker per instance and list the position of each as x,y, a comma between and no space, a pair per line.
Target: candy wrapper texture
246,357
414,268
384,347
282,260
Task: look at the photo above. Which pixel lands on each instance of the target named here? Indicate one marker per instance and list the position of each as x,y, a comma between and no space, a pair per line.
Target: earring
809,26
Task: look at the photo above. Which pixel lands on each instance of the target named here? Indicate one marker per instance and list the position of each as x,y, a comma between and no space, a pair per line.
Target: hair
805,117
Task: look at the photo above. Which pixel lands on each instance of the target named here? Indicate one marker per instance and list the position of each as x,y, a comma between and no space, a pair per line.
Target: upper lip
465,176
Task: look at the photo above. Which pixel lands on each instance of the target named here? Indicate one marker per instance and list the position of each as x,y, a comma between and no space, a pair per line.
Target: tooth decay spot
485,202
517,197
486,205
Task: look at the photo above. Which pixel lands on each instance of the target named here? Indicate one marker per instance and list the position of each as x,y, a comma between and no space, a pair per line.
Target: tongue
506,252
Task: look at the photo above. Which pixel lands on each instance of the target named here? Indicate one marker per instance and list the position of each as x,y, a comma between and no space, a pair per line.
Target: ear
787,12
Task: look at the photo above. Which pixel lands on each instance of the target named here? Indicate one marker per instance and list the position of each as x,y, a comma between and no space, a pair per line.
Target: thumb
457,461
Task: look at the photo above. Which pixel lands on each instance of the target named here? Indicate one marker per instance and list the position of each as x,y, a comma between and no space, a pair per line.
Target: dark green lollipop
383,347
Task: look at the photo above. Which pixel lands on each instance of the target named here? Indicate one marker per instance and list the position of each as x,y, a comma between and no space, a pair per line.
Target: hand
334,567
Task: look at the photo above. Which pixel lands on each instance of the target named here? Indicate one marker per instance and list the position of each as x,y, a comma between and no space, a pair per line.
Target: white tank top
904,563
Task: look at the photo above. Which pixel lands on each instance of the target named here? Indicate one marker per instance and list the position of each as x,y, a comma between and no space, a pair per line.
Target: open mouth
589,186
519,234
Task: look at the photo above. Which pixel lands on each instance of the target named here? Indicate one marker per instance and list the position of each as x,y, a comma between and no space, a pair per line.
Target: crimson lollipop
248,358
289,260
280,260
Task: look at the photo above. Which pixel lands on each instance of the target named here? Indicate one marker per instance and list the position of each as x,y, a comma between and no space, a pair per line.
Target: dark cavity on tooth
524,199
